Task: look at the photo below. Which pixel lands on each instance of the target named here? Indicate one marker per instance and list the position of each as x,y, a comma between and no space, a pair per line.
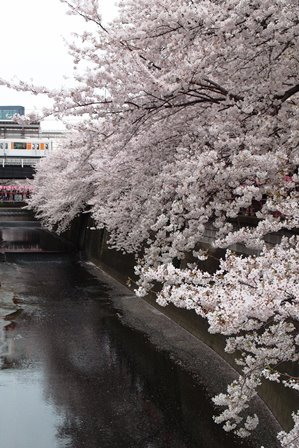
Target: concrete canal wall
92,245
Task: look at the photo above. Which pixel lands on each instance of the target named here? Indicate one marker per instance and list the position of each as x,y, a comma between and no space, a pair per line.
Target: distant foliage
189,120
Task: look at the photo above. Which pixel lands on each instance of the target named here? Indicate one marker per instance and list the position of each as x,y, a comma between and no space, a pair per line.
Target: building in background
22,145
8,112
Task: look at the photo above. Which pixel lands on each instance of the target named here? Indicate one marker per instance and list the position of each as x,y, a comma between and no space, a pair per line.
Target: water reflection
83,379
26,420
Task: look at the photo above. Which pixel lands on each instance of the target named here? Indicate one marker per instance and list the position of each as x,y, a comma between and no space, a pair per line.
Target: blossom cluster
255,302
187,116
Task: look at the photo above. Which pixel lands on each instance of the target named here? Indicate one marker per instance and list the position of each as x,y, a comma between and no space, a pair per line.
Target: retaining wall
92,245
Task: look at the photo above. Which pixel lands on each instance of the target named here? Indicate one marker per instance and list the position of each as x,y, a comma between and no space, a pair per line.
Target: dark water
74,375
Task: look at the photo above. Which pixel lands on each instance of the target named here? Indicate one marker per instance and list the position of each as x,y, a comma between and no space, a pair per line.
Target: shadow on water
74,375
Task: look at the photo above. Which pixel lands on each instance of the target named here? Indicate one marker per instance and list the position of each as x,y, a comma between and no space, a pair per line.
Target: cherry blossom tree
188,121
62,185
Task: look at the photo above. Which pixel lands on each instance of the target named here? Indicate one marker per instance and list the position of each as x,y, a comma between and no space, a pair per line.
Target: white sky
32,47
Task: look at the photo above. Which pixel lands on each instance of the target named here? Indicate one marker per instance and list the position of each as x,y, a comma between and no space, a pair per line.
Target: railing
18,161
14,193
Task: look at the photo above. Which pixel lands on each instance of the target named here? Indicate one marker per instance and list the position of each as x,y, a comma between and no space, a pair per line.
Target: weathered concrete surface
93,247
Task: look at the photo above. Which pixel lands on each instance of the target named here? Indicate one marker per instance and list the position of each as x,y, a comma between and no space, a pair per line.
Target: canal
84,363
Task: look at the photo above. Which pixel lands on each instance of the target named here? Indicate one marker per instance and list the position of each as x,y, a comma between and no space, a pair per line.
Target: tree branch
286,95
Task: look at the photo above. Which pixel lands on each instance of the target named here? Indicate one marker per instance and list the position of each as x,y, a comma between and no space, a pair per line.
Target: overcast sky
32,47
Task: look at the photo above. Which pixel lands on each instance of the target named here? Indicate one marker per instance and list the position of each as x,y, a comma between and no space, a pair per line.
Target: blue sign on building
7,112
